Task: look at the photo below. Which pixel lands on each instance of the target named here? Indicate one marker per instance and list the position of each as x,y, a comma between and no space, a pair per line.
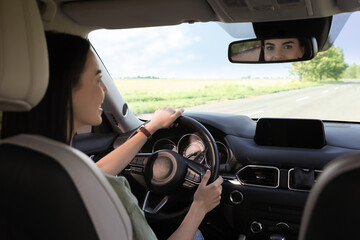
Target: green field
147,95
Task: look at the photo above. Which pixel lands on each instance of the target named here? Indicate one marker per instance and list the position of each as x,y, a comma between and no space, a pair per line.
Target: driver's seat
48,190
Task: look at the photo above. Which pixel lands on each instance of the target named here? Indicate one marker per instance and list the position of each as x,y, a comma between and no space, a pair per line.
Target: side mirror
271,50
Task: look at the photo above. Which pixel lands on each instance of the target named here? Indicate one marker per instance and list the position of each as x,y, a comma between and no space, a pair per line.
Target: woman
283,49
73,99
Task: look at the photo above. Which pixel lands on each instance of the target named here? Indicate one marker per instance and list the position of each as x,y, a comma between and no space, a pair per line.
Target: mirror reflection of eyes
286,45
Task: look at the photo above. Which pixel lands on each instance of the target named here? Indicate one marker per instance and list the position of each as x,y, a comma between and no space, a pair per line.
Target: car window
187,66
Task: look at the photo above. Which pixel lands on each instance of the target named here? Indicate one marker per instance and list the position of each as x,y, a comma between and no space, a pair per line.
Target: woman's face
282,49
88,95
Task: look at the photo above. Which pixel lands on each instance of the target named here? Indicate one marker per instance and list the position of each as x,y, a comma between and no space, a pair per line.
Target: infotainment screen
301,133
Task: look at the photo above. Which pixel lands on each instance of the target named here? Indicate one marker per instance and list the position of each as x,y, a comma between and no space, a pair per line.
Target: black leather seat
39,199
48,190
332,210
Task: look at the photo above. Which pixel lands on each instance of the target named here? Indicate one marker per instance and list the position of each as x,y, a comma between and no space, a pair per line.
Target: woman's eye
288,47
269,48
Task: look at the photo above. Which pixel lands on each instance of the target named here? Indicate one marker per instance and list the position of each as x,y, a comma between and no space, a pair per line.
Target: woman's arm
119,158
206,198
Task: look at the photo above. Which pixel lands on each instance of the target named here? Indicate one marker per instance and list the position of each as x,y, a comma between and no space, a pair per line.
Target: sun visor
263,10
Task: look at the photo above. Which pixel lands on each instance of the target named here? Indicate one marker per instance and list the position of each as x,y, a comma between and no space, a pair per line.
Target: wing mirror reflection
270,50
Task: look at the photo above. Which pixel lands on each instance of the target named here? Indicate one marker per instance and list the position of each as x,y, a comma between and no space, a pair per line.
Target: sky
194,51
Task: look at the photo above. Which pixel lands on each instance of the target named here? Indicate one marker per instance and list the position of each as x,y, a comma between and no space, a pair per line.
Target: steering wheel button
188,185
136,169
197,177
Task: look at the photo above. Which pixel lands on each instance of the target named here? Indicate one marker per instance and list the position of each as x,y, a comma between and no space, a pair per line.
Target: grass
186,93
156,93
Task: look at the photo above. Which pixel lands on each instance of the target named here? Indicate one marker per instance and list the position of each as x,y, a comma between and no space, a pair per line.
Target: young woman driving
73,99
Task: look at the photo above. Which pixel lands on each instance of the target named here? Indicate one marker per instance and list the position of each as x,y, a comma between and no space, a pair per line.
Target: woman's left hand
163,118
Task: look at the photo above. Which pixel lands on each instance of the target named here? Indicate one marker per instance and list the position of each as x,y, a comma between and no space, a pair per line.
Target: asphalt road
330,102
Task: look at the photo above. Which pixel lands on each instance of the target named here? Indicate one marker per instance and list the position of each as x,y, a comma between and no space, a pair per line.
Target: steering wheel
171,179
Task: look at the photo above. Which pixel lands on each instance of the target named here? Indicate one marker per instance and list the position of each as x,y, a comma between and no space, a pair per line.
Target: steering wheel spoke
138,163
192,179
149,198
194,174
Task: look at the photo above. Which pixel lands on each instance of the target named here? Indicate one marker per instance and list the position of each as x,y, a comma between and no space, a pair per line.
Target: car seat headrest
24,70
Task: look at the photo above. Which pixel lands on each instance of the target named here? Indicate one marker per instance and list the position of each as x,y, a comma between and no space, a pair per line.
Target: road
330,102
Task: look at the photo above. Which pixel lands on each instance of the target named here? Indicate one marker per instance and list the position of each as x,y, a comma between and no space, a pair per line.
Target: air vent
262,176
301,179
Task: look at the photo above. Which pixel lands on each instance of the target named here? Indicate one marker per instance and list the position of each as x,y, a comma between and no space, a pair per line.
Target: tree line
327,65
352,72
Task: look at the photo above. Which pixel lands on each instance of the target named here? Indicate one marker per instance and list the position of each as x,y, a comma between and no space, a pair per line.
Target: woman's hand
207,197
163,118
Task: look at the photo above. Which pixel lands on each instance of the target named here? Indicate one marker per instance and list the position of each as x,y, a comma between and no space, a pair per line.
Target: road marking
325,91
253,113
303,98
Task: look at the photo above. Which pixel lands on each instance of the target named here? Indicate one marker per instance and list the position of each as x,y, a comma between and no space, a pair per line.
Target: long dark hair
53,116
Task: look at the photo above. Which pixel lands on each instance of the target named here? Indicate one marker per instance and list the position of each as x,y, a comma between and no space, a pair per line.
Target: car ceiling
82,16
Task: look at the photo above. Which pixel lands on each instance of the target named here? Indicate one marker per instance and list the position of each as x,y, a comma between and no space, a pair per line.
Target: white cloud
146,51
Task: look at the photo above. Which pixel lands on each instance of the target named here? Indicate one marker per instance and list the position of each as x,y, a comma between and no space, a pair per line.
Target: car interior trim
318,172
258,167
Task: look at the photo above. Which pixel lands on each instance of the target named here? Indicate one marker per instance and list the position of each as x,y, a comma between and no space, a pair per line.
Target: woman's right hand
207,197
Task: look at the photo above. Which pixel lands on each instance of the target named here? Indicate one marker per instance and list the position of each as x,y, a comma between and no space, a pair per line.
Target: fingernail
207,171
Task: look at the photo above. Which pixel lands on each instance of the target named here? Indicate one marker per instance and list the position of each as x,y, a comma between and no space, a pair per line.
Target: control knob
256,227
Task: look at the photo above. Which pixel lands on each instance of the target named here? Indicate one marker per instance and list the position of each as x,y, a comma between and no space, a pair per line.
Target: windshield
187,66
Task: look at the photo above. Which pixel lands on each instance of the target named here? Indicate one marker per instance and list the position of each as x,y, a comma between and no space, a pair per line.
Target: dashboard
265,187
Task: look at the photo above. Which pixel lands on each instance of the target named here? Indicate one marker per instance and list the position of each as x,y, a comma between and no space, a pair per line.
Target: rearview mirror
271,50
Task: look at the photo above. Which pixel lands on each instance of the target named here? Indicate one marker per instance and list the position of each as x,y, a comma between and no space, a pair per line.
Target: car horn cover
165,171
